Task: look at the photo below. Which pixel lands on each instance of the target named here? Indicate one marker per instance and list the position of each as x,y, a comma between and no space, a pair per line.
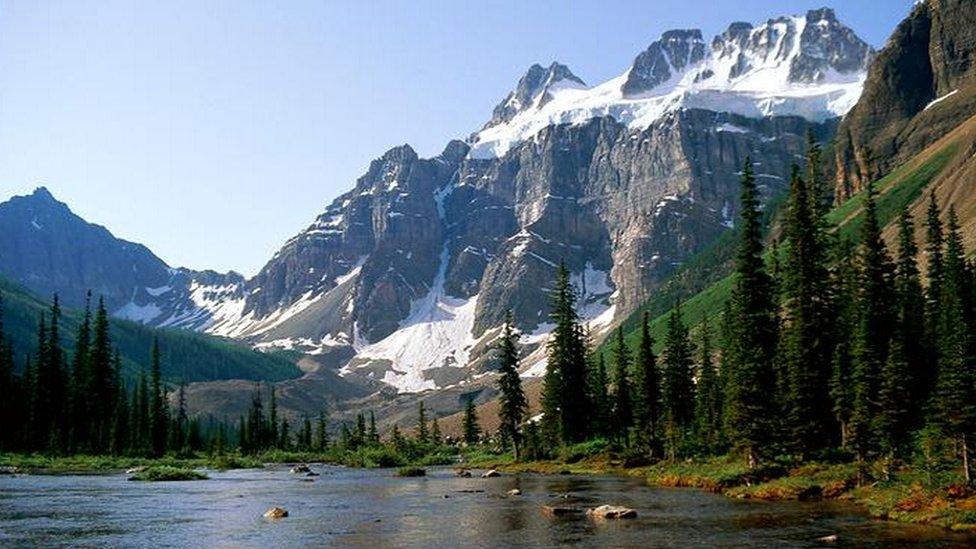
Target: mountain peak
41,193
534,89
675,51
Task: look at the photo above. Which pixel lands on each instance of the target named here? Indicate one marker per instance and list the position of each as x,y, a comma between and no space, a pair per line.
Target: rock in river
515,492
491,474
611,512
275,513
554,511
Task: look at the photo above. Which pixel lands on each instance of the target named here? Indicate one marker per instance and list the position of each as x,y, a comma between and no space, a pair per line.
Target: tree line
827,345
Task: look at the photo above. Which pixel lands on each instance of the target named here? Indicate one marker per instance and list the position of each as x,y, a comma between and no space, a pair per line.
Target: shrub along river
374,508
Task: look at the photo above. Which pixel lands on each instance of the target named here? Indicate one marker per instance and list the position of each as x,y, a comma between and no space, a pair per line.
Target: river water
373,508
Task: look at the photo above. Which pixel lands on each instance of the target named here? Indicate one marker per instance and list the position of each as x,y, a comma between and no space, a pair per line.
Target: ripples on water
360,508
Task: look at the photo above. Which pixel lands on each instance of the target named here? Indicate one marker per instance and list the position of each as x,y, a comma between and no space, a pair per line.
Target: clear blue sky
213,131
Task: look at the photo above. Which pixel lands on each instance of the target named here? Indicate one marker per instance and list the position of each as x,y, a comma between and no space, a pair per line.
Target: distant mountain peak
534,89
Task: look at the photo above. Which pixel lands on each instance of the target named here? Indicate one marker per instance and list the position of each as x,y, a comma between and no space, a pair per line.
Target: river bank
908,496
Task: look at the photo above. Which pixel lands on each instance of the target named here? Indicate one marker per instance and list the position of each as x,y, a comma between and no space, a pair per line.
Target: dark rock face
46,247
675,51
828,45
532,90
929,56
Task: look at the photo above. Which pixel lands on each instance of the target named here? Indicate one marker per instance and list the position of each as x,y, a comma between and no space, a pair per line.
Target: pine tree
512,403
564,391
872,331
933,296
623,410
322,435
101,389
843,292
272,430
602,413
910,318
435,433
749,355
421,432
955,401
806,349
81,381
158,411
677,385
373,437
647,401
284,435
708,397
470,428
894,399
181,422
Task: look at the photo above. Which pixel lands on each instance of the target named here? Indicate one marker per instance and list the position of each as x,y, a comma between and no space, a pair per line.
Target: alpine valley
397,290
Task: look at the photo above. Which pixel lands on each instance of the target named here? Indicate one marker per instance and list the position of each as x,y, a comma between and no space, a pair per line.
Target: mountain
401,284
921,87
186,355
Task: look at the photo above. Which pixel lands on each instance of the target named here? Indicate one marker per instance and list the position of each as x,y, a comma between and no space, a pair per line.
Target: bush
576,452
165,473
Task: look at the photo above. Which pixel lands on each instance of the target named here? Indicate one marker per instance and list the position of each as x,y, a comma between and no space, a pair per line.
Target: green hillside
186,355
896,191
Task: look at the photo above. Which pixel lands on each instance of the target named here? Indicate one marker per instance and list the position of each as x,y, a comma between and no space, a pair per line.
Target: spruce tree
910,318
602,412
872,331
322,435
749,355
806,347
564,392
158,410
843,292
647,401
708,397
101,389
512,402
955,401
81,381
677,385
894,399
373,437
934,243
272,431
435,433
470,428
421,432
623,410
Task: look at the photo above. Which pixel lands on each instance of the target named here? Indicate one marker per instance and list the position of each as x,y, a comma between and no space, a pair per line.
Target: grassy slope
187,355
897,190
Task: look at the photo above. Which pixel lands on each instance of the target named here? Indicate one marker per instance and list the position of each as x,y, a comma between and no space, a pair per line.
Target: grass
167,473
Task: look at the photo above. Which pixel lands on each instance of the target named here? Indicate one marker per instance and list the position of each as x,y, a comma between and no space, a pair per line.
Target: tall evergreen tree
81,378
623,409
421,432
435,433
321,432
158,411
955,390
647,401
470,428
564,393
873,329
806,347
749,355
843,292
708,396
512,402
602,411
101,385
677,385
373,436
910,320
272,430
934,243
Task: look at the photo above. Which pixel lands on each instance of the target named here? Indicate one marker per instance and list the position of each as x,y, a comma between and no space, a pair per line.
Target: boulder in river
464,473
492,473
275,513
611,512
8,470
832,538
300,469
515,492
133,470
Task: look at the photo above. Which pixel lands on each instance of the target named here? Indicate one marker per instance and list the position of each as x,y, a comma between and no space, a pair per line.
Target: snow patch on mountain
779,68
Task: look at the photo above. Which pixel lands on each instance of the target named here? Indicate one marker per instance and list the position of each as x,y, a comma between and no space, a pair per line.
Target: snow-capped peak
805,65
536,88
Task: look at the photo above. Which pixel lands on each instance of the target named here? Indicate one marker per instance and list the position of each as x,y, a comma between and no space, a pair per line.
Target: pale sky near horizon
213,131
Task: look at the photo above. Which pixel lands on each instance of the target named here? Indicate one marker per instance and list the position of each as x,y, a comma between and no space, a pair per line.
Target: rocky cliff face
921,86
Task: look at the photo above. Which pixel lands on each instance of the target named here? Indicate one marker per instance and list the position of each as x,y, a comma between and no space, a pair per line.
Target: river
375,509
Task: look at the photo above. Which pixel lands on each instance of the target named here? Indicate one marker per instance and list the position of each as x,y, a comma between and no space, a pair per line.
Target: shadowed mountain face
402,282
922,85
